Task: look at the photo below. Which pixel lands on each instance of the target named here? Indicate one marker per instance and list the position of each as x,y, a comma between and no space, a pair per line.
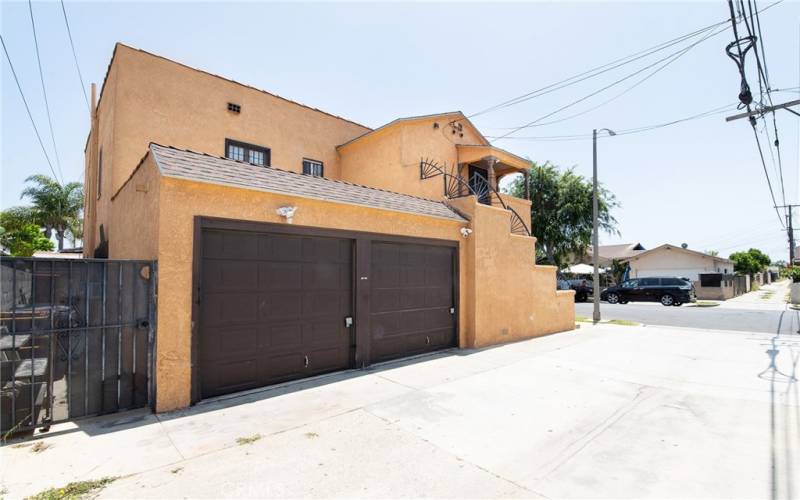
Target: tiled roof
200,167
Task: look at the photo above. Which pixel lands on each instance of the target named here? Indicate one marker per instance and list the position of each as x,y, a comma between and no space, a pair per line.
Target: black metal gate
77,339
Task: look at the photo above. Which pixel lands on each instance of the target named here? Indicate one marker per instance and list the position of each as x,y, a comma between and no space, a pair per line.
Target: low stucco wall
512,298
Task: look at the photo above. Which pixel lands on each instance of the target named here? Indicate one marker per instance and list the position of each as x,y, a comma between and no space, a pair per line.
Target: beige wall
508,297
390,158
135,215
147,98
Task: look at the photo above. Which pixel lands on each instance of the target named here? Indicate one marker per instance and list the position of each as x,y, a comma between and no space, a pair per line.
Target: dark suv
669,290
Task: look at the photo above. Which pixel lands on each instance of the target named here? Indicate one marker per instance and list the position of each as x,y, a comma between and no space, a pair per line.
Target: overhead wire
714,111
27,108
44,90
616,82
75,55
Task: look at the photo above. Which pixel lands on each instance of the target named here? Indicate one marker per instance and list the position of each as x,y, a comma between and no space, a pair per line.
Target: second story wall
161,101
389,158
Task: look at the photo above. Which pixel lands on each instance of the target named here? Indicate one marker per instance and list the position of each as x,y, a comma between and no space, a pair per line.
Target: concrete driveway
602,412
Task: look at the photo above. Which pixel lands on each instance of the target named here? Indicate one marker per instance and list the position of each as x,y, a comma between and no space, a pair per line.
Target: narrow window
313,167
100,174
250,153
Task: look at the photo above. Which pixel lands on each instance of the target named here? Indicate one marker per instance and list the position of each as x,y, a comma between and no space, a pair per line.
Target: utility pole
596,227
790,231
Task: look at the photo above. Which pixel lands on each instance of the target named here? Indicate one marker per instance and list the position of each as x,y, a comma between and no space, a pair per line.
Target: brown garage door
273,308
412,307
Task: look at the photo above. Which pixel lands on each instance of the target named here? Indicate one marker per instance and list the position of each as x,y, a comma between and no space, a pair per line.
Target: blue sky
699,182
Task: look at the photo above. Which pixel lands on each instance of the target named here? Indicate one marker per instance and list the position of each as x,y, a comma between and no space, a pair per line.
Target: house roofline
669,246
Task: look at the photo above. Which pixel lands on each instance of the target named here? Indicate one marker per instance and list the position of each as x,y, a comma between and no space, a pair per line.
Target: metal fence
77,339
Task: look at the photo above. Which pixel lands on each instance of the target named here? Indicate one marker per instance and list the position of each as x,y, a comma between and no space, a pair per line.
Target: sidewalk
770,297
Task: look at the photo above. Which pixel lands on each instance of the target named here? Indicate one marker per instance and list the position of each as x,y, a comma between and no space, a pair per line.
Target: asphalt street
713,318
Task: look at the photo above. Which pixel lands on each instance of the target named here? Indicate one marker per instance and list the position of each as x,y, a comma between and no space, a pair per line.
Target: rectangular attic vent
235,108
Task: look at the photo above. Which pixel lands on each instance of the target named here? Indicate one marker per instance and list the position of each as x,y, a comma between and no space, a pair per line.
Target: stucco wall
389,158
135,215
511,297
674,262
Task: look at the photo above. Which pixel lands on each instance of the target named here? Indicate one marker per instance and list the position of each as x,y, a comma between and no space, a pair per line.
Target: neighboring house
610,253
672,260
292,242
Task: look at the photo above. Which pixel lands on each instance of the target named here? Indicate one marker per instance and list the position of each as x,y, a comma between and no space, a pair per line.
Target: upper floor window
249,153
313,167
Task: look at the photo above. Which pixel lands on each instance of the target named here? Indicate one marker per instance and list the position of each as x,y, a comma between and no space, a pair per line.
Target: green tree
750,262
713,253
561,212
55,207
19,236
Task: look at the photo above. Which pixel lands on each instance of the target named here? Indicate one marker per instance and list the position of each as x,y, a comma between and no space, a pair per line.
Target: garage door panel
280,337
273,308
234,376
230,275
280,276
412,277
281,248
229,308
230,245
438,297
411,297
228,340
320,276
283,306
385,277
329,304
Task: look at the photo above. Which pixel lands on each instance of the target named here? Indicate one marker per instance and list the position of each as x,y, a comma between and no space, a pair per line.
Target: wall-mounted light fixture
287,213
465,232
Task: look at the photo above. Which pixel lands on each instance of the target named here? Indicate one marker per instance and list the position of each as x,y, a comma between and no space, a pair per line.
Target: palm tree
56,207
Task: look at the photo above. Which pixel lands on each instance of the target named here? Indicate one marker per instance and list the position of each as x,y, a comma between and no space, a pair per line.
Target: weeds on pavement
73,491
248,440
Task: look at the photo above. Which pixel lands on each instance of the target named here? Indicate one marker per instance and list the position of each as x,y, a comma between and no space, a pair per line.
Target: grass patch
767,295
582,319
623,322
73,491
312,435
706,303
248,440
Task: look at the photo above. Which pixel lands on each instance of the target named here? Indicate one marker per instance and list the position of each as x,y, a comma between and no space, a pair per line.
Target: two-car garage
275,302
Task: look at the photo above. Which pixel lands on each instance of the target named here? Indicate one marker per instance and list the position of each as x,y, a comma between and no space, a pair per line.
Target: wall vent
234,108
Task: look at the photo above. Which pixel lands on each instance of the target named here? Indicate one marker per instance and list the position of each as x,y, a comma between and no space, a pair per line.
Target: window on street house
313,167
241,151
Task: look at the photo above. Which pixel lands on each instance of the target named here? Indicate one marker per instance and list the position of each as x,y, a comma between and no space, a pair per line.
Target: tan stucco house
292,242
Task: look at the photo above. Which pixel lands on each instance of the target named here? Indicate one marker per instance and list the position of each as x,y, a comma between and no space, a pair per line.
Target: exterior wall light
287,213
465,232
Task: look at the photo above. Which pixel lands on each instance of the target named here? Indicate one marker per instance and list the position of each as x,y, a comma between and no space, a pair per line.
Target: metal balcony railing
455,186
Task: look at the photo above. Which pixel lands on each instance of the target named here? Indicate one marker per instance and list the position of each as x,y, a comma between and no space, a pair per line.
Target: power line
27,108
598,70
769,182
591,73
592,94
74,55
44,91
557,138
675,57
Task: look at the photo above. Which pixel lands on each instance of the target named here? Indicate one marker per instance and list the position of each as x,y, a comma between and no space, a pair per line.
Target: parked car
669,290
583,289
